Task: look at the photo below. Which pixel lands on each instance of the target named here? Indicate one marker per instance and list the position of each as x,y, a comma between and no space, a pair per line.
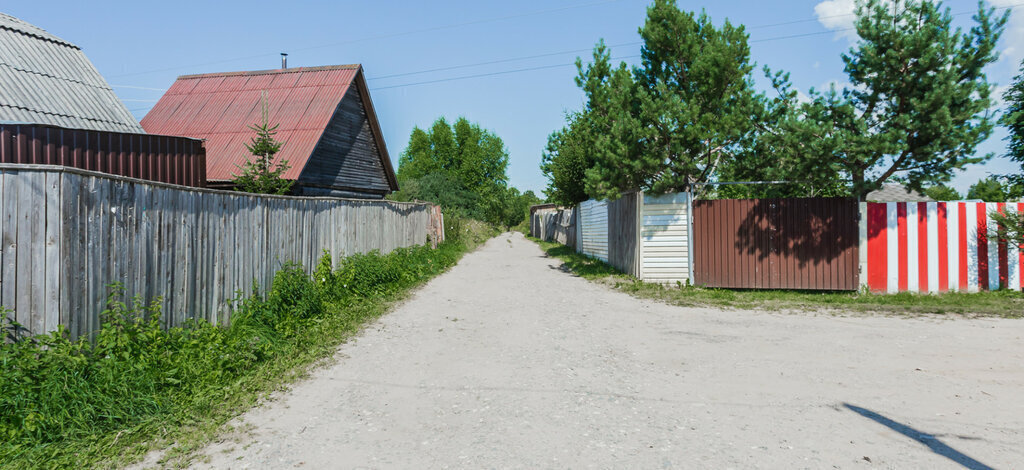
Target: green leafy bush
68,402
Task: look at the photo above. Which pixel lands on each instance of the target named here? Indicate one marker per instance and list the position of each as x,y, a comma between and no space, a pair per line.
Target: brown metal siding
776,243
175,160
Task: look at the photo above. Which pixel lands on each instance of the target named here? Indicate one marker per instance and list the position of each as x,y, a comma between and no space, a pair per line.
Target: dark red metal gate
776,243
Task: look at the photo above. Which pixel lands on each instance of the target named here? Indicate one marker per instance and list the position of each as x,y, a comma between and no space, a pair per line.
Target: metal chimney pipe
284,60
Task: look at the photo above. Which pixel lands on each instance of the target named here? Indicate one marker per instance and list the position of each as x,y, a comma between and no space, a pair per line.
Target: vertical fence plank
8,282
52,200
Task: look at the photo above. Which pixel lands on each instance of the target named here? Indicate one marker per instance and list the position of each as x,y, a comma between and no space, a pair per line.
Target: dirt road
509,362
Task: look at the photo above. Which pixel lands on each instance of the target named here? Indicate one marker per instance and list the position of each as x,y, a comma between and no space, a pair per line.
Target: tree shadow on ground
578,264
929,440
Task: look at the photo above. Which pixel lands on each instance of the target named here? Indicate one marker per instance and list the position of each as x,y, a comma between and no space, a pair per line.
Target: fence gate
776,243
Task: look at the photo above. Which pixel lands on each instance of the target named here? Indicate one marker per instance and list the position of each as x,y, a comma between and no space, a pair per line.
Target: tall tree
473,157
565,162
917,105
941,192
996,189
1013,119
460,166
671,121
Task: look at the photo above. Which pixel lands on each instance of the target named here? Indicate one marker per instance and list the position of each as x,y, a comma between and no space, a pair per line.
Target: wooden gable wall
347,161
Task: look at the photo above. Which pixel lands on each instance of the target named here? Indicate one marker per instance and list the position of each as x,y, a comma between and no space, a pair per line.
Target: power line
501,72
513,59
552,66
382,36
133,87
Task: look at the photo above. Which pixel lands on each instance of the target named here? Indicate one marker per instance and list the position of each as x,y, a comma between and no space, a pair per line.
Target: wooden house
325,119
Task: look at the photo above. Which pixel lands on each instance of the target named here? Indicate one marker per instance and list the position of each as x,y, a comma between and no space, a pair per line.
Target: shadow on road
929,440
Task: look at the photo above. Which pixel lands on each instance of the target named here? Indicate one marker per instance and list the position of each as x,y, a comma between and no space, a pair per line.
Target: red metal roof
220,107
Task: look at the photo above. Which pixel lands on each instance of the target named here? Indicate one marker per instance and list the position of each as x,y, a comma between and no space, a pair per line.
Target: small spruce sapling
260,174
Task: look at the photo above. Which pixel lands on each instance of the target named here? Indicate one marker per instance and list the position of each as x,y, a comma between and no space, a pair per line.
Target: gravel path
509,362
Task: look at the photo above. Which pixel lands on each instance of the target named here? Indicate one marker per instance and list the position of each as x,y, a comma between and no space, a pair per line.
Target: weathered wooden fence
69,233
554,224
623,235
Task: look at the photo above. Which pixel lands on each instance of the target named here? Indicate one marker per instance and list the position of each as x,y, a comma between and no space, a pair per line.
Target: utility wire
576,51
501,72
553,66
544,67
513,59
382,36
133,87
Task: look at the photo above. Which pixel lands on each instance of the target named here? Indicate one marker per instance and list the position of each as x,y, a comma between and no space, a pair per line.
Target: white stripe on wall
863,252
892,248
953,243
971,216
1013,256
993,248
913,284
933,246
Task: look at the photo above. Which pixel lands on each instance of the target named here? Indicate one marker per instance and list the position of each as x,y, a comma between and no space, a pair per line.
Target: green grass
136,388
1003,303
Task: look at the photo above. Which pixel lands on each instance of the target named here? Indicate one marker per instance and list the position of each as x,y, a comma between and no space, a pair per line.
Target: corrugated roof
892,192
47,80
220,107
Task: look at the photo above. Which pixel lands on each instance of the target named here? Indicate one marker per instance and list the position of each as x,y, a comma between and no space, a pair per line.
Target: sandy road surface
508,362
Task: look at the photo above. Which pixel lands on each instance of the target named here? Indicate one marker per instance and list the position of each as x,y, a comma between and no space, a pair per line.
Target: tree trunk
857,184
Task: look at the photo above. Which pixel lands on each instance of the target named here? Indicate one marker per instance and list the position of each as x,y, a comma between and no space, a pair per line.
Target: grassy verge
998,303
136,388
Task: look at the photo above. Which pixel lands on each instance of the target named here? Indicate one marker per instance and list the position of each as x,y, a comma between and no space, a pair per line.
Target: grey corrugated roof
891,192
45,79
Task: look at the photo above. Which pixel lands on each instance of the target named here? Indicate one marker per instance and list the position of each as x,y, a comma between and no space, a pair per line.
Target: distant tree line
463,168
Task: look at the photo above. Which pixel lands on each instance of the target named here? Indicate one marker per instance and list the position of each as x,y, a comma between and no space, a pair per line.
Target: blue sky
140,47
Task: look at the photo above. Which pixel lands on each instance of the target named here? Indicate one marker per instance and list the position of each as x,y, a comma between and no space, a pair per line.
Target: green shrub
68,402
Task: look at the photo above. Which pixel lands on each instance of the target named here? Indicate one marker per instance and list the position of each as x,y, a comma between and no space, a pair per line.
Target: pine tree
260,174
1013,119
918,102
565,162
672,121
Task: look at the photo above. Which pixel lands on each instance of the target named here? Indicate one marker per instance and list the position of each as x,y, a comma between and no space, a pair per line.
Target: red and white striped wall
937,247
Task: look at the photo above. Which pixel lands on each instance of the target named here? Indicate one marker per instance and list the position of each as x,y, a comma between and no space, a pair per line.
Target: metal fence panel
594,229
174,160
938,247
776,243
